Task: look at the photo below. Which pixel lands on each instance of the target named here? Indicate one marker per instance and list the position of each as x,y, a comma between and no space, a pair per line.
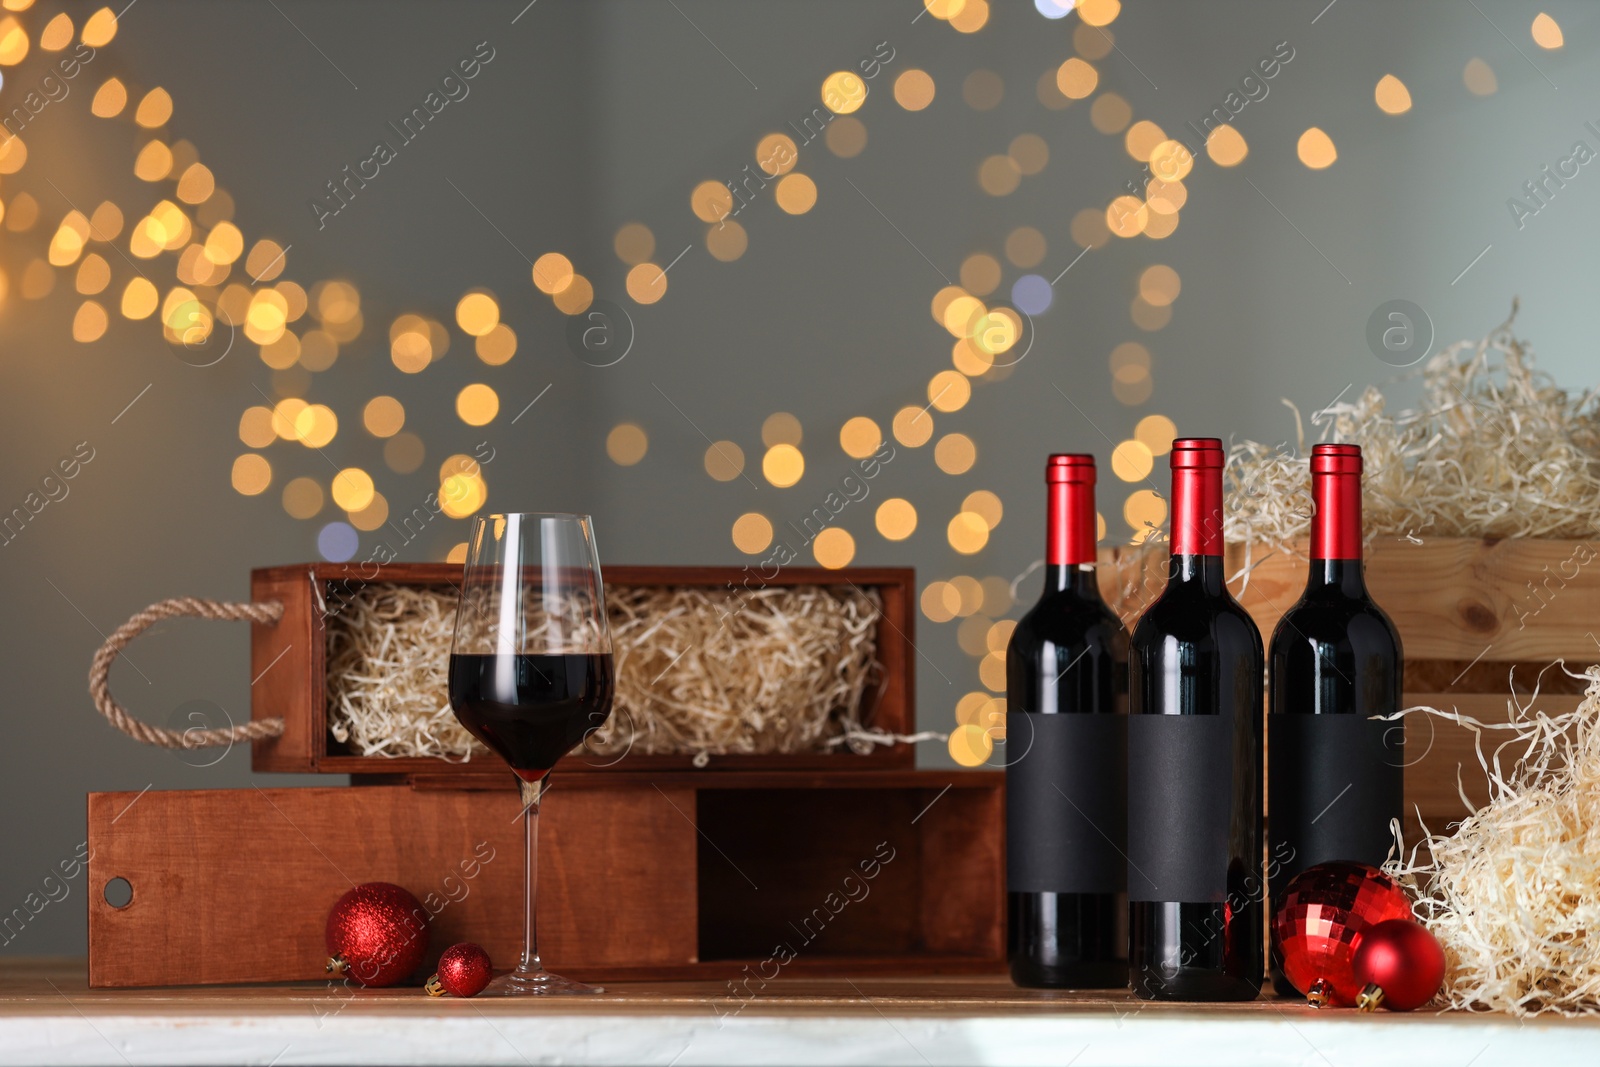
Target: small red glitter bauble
1403,960
1318,924
377,934
463,971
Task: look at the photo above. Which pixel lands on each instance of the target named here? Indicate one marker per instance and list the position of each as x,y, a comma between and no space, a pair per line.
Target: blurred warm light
634,243
984,504
1029,152
477,405
833,547
403,453
106,222
576,297
477,313
457,553
726,241
265,261
89,324
776,154
724,461
646,283
100,28
913,89
552,272
1148,316
992,673
13,154
1392,96
1049,93
410,347
781,428
711,202
1129,361
940,601
972,17
627,443
352,489
846,137
983,90
282,353
302,498
1076,79
1226,146
896,518
980,274
497,346
1089,228
843,91
109,99
1165,198
1160,285
752,533
94,274
316,425
251,474
1025,247
462,494
196,184
1546,32
139,299
13,42
913,426
1479,77
999,636
1133,393
38,279
967,533
1142,138
225,243
1171,161
384,416
943,299
1092,42
1132,461
962,314
783,465
373,515
944,9
860,437
255,427
1156,432
1144,509
1110,113
949,390
796,193
1126,216
155,109
318,350
1099,12
955,453
1316,150
970,358
57,33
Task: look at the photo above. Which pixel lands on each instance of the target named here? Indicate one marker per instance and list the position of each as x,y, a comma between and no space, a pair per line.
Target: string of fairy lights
222,277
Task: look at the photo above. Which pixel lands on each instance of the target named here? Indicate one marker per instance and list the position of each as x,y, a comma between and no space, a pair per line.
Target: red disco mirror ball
1317,926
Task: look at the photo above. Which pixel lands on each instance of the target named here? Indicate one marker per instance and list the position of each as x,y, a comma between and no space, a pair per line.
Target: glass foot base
540,983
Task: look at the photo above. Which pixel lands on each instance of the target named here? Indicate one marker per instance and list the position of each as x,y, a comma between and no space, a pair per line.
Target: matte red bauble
377,934
1399,965
1318,925
463,972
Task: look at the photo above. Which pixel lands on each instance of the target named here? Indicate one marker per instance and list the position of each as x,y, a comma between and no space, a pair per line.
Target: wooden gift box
288,661
642,875
1469,612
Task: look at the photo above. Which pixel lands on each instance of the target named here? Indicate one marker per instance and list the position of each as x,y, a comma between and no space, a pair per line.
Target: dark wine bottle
1194,763
1066,747
1334,773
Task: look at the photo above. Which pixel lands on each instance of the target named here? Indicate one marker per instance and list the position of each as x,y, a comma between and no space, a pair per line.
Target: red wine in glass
530,710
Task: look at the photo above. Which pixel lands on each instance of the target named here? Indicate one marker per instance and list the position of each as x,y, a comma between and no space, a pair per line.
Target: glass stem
531,793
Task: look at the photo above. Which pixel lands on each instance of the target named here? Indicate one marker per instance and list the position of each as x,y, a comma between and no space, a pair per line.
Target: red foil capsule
1196,496
1070,524
1336,498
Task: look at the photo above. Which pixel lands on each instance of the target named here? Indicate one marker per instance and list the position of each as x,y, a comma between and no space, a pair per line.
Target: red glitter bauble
463,971
1403,961
377,934
1317,926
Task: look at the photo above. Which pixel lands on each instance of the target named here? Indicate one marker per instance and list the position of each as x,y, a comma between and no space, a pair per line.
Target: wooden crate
642,875
1478,621
288,661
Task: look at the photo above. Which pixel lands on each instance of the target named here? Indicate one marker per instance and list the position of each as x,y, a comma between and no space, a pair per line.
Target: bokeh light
752,533
860,437
913,89
1392,96
781,428
955,453
1315,149
724,461
251,474
627,444
913,426
384,416
834,548
783,465
896,518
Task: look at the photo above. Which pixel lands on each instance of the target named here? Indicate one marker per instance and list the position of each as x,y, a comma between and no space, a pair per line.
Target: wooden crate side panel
286,668
235,885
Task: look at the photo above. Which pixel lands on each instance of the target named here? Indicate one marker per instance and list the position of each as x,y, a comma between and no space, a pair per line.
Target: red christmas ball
463,971
1399,965
1318,925
377,934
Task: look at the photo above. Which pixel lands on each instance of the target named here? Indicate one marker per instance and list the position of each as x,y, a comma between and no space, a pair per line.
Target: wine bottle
1334,773
1066,745
1194,763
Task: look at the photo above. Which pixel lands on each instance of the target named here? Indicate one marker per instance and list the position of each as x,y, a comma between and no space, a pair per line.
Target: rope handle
117,715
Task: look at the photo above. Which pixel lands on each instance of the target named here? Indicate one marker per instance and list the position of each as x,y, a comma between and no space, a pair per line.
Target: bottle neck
1076,578
1201,573
1197,512
1070,525
1336,532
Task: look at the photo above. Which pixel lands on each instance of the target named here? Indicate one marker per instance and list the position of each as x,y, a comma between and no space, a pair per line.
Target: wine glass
531,674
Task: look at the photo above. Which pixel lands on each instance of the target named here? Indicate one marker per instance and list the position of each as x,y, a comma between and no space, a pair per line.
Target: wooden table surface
48,1015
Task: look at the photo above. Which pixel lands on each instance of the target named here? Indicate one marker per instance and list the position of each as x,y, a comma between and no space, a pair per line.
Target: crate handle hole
118,892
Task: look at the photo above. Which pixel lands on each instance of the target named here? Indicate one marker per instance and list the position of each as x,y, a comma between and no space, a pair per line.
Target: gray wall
599,113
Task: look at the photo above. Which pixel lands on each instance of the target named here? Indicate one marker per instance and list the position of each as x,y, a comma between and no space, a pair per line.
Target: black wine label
1334,782
1180,790
1066,802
